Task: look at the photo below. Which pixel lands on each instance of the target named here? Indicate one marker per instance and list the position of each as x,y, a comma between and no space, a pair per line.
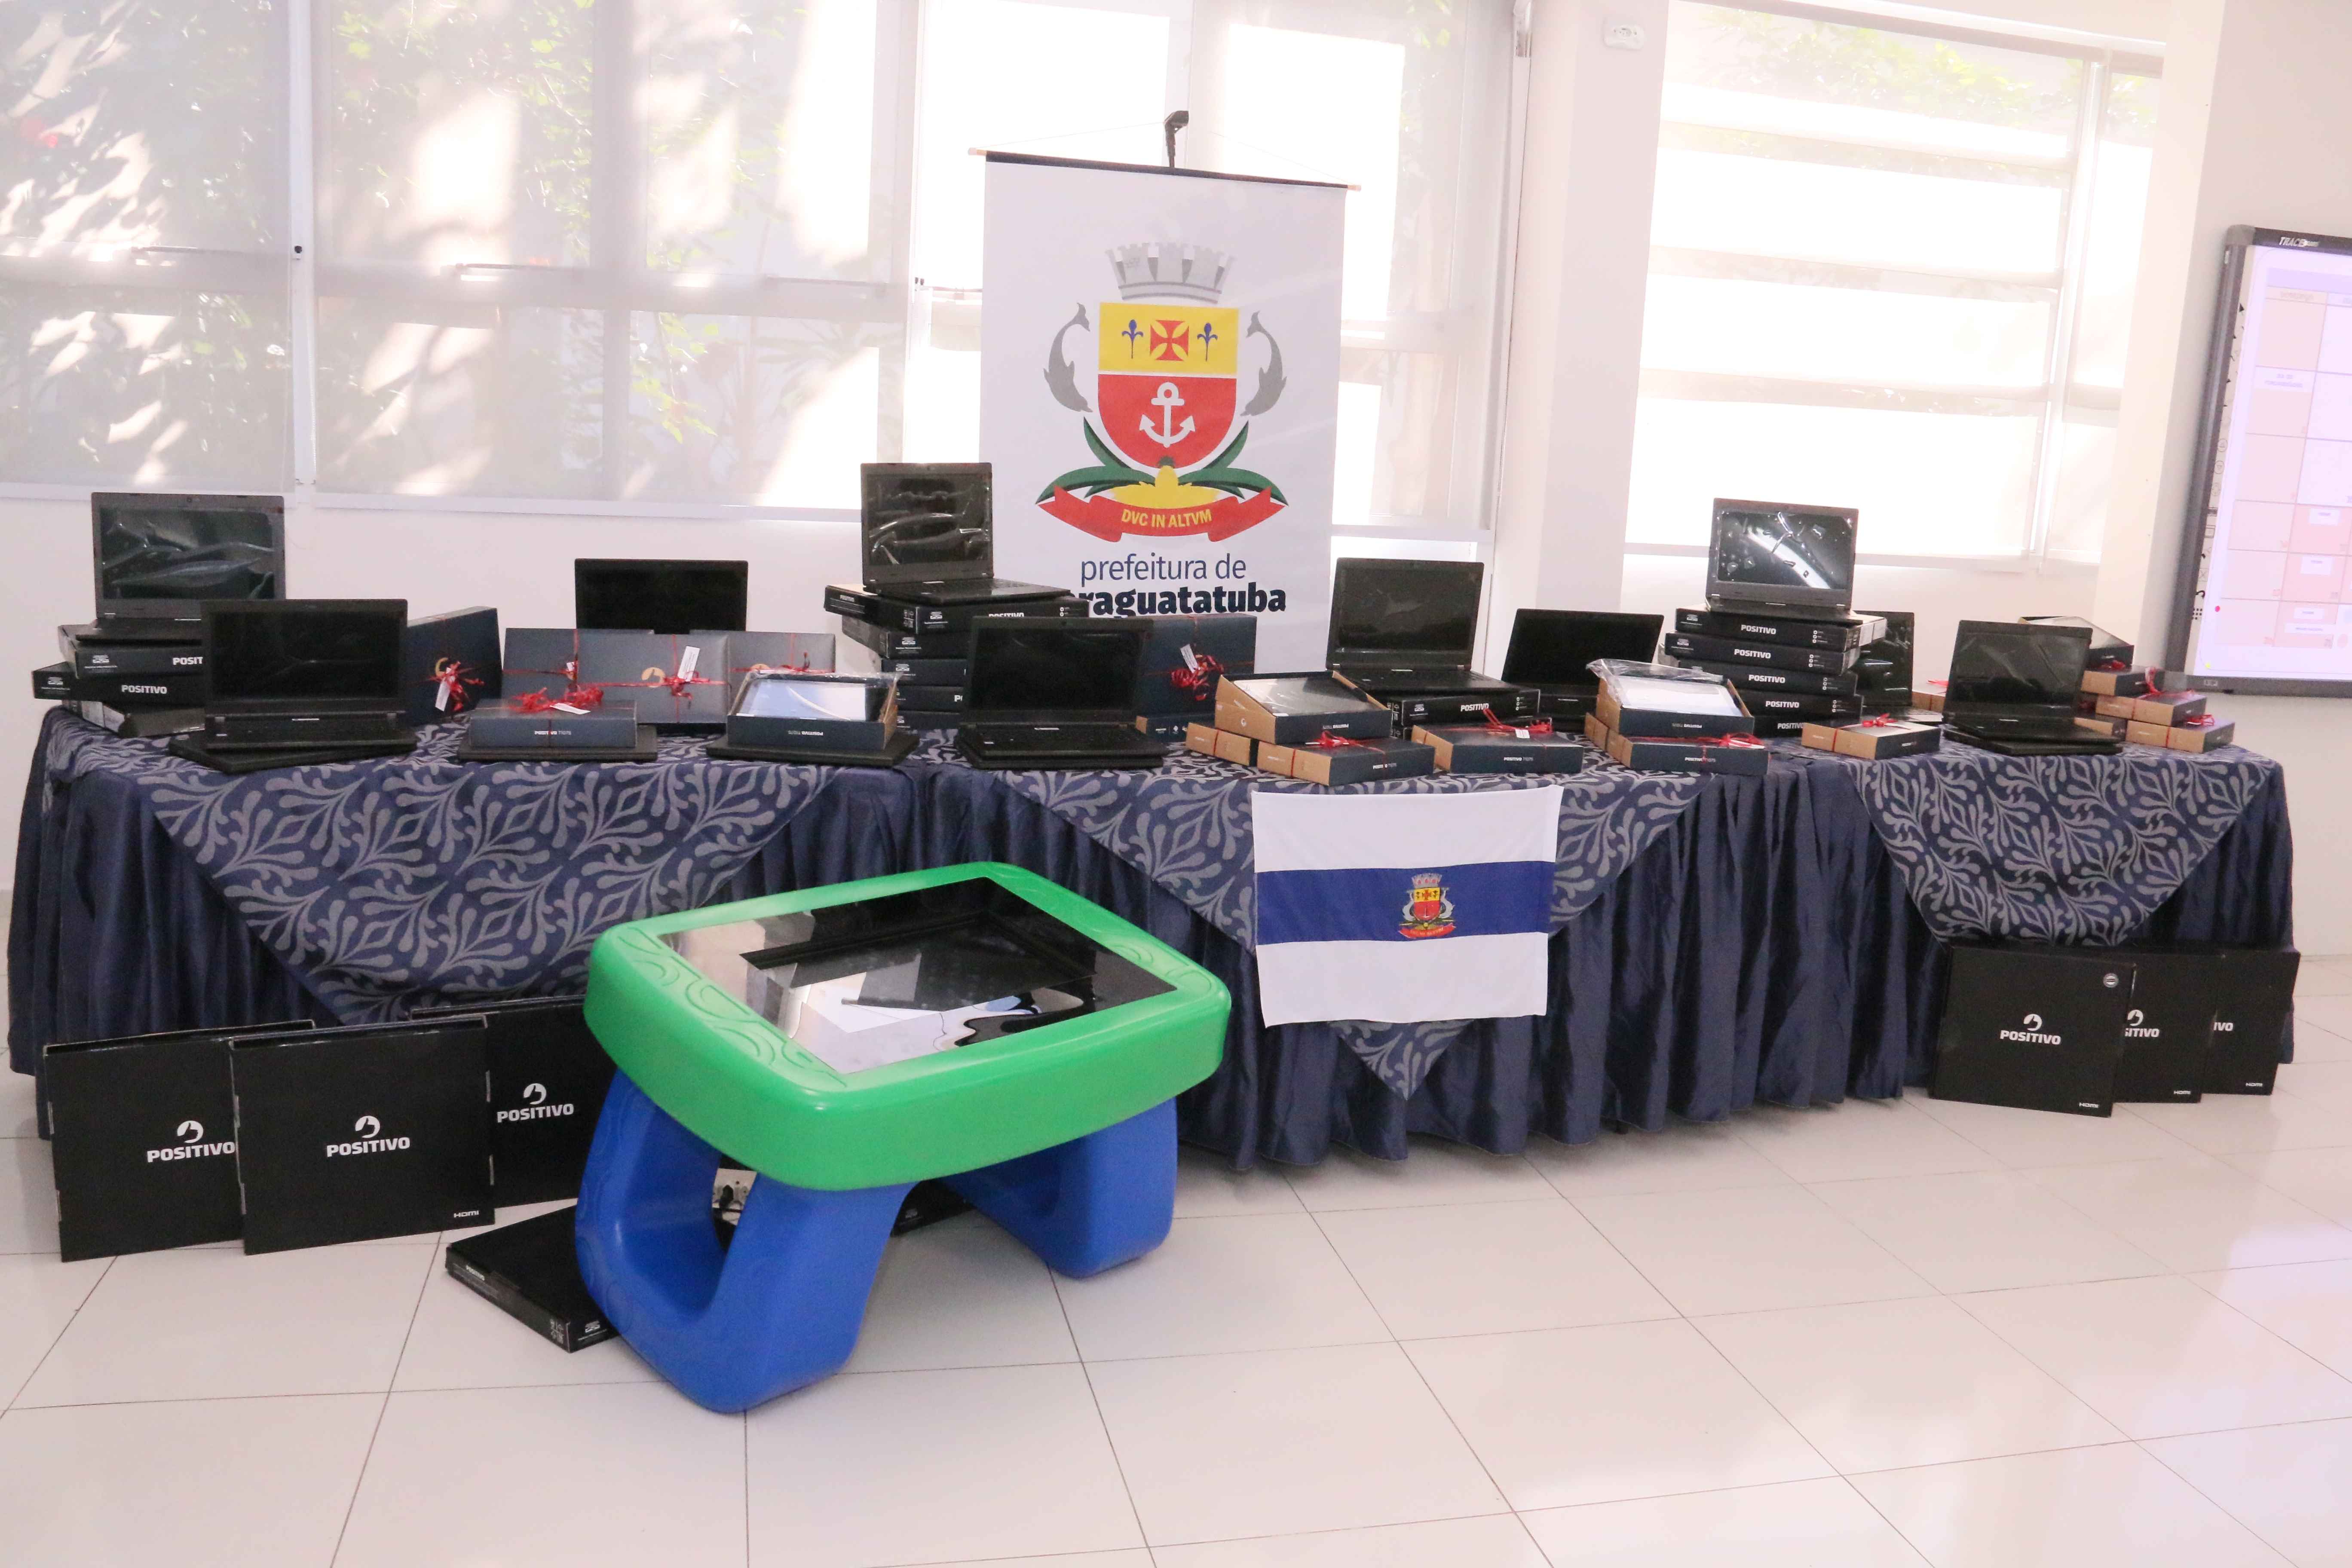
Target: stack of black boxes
1792,672
928,646
142,688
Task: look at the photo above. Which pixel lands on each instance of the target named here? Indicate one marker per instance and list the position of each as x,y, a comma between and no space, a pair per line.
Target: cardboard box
1183,656
2167,706
1304,706
547,1078
92,656
1658,755
1795,682
1884,666
884,643
876,696
2254,1007
1221,745
2115,707
930,671
2113,728
673,679
54,682
2033,1026
502,725
531,1271
140,723
2205,734
1643,723
852,602
1933,701
449,664
1820,709
2115,682
1477,749
1873,742
1721,650
1847,631
59,683
1349,761
353,1133
2168,1027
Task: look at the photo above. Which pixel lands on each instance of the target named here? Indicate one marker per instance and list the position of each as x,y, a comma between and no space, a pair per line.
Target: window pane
758,119
1770,206
1743,326
143,387
1927,484
722,408
1019,77
142,124
501,402
2118,210
457,130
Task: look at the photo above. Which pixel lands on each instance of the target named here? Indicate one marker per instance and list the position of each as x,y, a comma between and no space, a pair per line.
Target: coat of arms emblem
1166,424
1428,912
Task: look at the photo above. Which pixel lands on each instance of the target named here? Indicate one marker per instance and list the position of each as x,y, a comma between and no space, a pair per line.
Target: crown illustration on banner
1183,271
1428,878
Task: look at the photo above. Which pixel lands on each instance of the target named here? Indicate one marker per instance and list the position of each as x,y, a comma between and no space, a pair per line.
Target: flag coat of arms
1404,909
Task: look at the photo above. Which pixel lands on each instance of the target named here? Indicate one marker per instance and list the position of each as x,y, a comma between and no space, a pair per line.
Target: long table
1717,940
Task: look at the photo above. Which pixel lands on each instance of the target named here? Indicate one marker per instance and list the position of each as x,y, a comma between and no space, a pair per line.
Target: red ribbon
1329,742
1202,676
1532,727
1729,741
2203,721
578,697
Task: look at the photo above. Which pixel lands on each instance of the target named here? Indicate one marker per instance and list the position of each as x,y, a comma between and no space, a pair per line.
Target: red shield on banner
1155,419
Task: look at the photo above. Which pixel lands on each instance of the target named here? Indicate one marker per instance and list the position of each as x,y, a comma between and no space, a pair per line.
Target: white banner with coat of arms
1160,375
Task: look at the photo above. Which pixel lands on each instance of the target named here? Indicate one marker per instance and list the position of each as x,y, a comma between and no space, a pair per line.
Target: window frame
2102,60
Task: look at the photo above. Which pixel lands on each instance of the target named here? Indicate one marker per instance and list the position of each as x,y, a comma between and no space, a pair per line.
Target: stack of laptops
1402,633
1056,694
1553,650
301,680
2014,688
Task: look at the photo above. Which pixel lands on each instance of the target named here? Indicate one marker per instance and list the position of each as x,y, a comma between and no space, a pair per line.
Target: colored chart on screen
2276,605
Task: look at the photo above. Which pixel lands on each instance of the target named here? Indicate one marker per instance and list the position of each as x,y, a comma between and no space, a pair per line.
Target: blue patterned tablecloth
420,877
2072,849
1186,826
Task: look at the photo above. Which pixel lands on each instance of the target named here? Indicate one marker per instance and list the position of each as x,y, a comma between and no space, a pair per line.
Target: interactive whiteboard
2263,603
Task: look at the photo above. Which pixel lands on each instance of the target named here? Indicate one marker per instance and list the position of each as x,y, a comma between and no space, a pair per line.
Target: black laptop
158,558
1553,650
1055,694
928,531
670,597
2013,687
1401,629
296,673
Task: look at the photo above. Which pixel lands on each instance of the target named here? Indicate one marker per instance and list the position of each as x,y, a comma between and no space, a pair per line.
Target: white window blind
666,252
1889,269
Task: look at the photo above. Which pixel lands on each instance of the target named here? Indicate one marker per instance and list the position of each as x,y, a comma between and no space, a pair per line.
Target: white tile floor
1879,1335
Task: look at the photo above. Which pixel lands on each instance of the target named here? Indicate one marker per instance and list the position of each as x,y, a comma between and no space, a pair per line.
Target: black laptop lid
671,597
162,555
1765,552
1404,612
926,523
305,651
1041,670
2012,670
1557,647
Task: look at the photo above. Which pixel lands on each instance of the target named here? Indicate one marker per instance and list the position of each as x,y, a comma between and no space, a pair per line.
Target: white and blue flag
1401,909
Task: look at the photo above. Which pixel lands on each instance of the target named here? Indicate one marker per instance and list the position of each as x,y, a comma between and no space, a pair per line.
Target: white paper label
568,707
1191,663
686,661
441,697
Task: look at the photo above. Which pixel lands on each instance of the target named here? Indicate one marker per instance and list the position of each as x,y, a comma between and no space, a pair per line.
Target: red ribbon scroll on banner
1111,520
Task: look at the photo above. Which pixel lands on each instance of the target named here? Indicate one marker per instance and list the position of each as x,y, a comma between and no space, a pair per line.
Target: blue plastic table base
781,1307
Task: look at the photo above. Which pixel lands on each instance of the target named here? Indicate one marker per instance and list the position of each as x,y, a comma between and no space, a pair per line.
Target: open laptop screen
307,650
1766,554
1404,612
1557,647
2009,665
156,553
672,597
926,523
1074,668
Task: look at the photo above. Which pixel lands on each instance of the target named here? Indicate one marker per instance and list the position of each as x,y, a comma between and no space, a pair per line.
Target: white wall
2255,128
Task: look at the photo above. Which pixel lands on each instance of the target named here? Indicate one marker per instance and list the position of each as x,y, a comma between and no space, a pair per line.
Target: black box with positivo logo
144,1140
353,1133
2038,1028
2166,1027
547,1078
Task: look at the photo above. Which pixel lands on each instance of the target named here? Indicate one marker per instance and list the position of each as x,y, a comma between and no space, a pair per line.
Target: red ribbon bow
453,678
1200,678
1729,741
1329,742
2203,721
1532,727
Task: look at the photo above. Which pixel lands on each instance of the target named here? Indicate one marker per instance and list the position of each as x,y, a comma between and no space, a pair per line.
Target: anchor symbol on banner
1168,400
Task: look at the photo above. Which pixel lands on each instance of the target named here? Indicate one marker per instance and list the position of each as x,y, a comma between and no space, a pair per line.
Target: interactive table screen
861,986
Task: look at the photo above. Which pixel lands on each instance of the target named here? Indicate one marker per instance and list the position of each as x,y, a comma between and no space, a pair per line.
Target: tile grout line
415,1310
18,1394
1094,1394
